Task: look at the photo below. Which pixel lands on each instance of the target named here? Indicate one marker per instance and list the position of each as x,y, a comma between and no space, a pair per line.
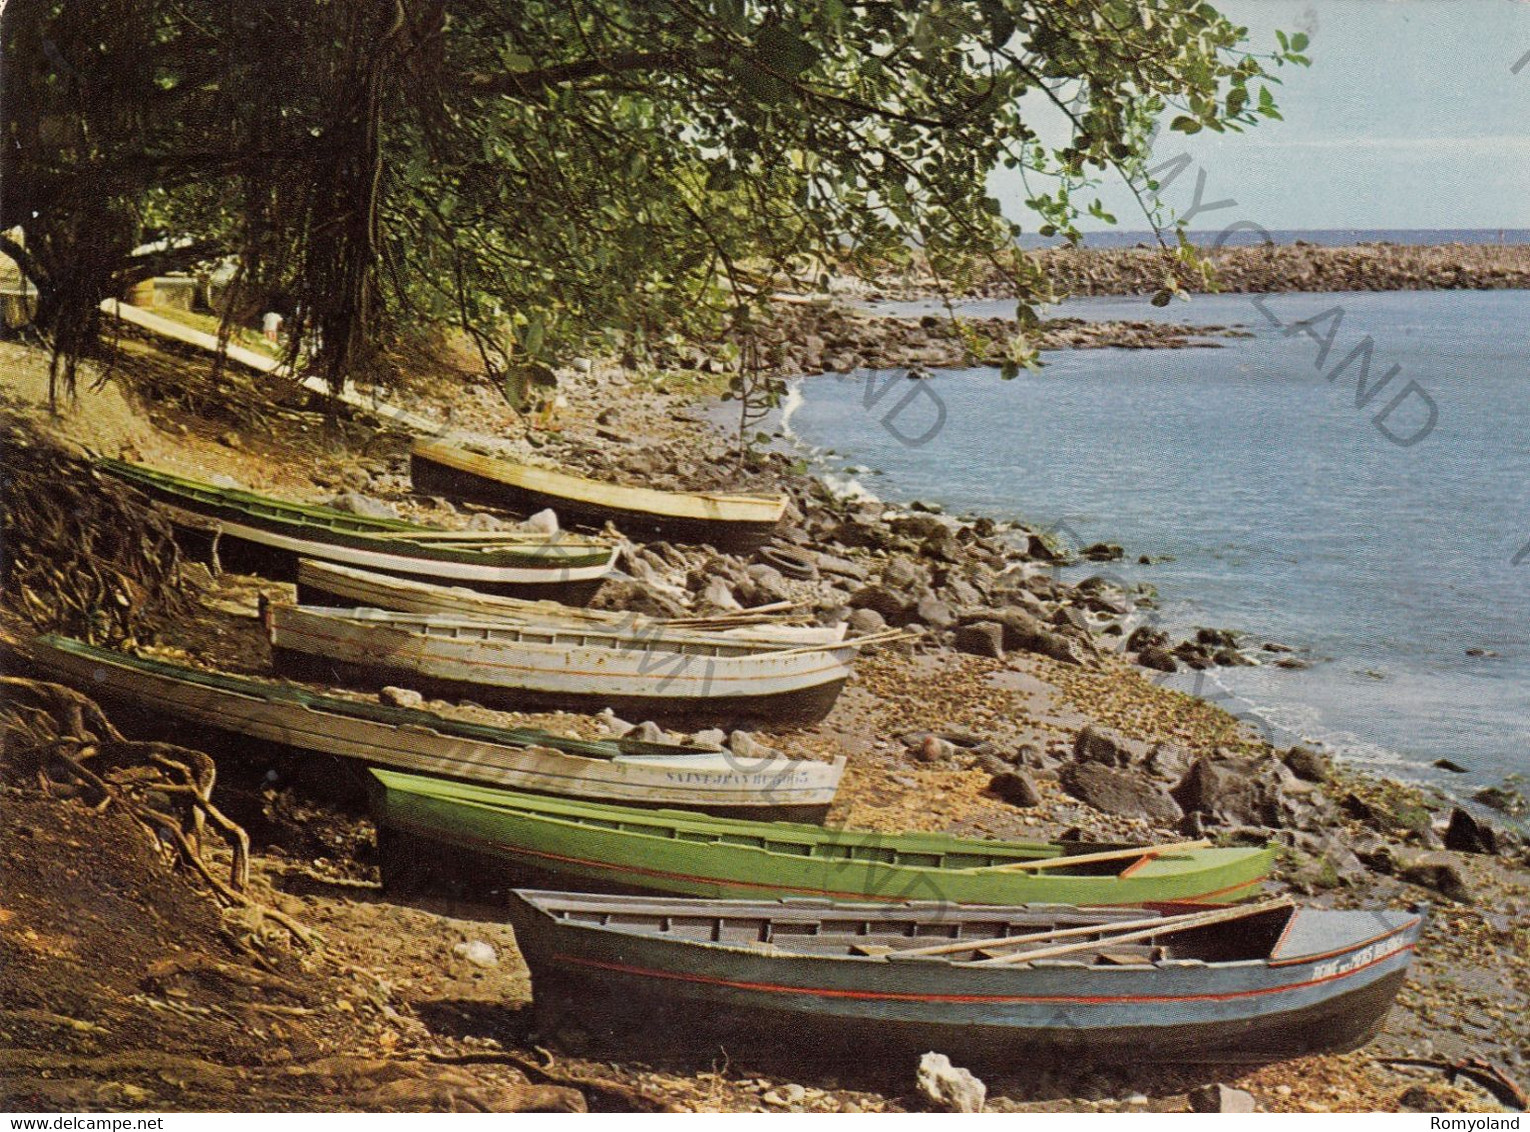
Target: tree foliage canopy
552,174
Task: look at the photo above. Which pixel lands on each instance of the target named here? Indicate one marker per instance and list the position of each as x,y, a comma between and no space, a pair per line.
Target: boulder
1217,638
1234,791
990,761
648,732
902,574
611,725
1096,744
981,638
934,612
1071,617
1308,764
1117,792
1146,636
894,606
477,952
401,697
1466,834
949,1087
746,746
1014,787
863,621
1039,548
1506,799
354,503
544,522
1168,761
961,592
713,737
631,596
766,584
1438,872
840,567
1222,1098
934,749
1158,658
1102,552
717,595
1028,634
942,547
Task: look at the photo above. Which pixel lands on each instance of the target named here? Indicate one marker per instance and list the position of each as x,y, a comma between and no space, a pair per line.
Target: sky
1411,116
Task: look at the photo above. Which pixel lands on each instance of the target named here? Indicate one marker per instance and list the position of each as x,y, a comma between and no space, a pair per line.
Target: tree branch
528,84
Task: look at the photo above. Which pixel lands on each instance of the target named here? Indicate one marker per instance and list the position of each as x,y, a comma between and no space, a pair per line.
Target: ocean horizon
1324,237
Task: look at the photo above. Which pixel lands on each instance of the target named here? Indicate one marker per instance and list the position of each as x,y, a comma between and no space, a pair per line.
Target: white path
252,359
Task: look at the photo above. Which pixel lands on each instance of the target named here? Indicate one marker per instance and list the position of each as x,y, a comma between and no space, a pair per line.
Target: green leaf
1185,125
1299,42
783,52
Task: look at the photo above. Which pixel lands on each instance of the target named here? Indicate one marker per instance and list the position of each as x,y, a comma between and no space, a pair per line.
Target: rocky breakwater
1297,267
824,337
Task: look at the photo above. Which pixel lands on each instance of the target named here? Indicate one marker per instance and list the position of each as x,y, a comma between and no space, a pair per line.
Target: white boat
720,518
662,674
328,583
424,742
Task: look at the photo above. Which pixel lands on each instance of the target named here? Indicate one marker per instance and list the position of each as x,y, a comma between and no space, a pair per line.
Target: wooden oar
1030,937
828,646
430,535
1092,858
1172,924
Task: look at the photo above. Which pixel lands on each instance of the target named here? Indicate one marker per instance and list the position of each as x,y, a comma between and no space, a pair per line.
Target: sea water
1273,495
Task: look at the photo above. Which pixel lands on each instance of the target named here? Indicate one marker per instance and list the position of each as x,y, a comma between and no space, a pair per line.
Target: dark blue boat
1184,984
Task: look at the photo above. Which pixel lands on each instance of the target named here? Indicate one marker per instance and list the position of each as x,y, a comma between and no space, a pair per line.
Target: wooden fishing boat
500,838
988,985
731,520
328,583
405,738
264,535
661,673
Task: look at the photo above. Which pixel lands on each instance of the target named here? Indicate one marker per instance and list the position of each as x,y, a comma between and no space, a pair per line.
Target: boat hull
265,535
244,549
999,1018
433,477
618,1005
429,744
492,840
344,587
670,677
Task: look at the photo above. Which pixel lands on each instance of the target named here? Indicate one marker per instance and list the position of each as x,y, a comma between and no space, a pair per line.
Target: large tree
551,173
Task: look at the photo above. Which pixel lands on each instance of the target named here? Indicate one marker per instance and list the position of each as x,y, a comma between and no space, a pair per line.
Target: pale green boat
498,839
265,535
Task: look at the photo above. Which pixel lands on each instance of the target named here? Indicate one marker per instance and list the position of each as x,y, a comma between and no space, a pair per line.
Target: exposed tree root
64,741
82,555
624,1094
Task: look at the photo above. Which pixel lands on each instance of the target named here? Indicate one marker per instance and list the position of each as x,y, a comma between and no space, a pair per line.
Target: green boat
267,536
432,829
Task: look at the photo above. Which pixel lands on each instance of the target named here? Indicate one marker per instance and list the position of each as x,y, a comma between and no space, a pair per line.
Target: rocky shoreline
1022,705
